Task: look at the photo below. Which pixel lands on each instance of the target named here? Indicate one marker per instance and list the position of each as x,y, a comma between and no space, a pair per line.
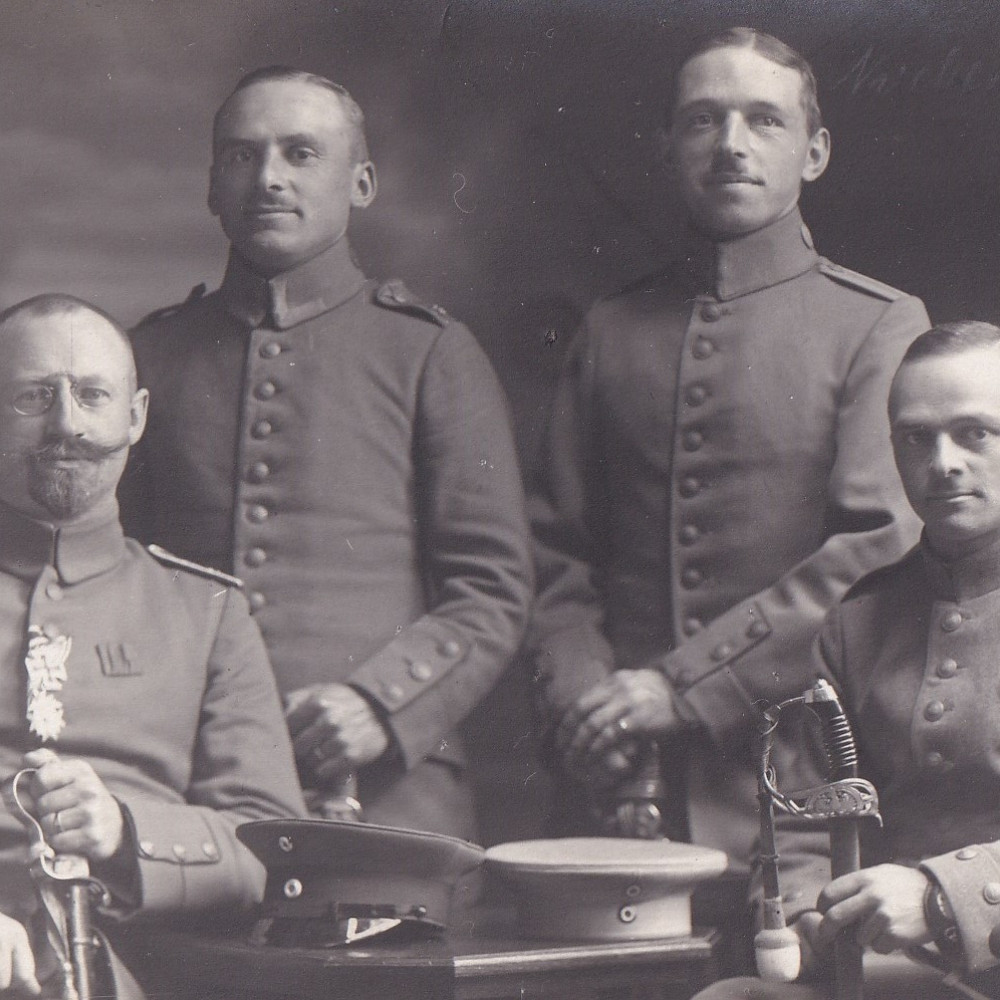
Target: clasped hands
598,737
334,731
78,815
884,903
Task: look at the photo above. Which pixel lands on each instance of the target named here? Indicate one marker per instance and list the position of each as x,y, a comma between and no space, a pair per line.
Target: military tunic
346,451
913,651
168,695
718,473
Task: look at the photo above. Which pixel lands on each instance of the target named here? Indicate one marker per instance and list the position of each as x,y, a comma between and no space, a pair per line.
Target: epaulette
861,282
169,559
393,294
196,293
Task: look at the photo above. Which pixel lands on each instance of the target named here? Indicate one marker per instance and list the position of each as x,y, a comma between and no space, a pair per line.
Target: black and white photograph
500,500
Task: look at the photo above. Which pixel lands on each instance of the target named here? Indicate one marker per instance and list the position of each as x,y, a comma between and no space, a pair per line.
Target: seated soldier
134,686
913,649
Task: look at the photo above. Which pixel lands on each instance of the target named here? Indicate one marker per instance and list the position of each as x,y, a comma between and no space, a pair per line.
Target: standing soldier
718,468
346,450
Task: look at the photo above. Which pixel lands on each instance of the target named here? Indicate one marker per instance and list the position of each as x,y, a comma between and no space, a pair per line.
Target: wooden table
206,967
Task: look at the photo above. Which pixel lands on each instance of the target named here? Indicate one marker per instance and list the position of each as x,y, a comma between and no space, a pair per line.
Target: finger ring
57,822
623,724
317,755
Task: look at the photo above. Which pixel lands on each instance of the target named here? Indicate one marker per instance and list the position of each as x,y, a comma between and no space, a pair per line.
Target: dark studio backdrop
519,168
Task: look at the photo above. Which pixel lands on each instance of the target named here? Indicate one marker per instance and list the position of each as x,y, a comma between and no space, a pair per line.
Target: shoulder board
394,294
196,293
169,559
861,282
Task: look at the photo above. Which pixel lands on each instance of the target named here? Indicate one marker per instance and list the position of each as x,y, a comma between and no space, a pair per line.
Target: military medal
46,663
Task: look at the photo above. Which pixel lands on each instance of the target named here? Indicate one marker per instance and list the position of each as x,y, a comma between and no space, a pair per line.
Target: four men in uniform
717,478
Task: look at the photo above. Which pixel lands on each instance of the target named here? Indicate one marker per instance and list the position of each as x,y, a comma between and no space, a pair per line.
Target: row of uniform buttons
147,849
934,710
692,440
259,471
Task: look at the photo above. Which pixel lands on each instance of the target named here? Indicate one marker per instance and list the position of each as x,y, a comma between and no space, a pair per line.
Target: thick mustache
75,448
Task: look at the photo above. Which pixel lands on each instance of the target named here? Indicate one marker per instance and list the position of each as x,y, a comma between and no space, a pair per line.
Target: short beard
67,493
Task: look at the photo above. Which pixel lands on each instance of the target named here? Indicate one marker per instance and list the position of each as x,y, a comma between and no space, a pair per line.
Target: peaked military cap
604,888
331,882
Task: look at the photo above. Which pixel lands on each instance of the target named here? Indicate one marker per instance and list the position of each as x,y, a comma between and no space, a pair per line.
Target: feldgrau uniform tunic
718,473
346,451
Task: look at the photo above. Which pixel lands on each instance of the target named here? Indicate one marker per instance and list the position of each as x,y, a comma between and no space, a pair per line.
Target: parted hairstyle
266,74
952,338
771,48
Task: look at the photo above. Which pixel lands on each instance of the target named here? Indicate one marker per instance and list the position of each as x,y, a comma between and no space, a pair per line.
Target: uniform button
710,312
703,348
991,892
266,390
50,631
723,651
270,350
947,668
967,854
693,440
53,591
951,621
256,600
757,630
180,851
258,472
255,557
689,534
933,711
691,626
934,759
262,429
392,692
209,849
691,577
257,513
421,671
451,648
689,487
695,395
146,848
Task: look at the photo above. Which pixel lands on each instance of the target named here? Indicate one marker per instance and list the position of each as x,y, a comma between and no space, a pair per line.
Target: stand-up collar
965,578
295,296
745,264
77,552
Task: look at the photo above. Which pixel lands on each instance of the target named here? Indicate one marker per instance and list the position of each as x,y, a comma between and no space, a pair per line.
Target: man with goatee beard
134,687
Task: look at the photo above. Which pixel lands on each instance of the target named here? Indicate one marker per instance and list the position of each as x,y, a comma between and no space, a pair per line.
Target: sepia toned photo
498,500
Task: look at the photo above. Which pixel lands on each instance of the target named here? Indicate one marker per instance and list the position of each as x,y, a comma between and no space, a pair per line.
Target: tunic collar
77,551
769,256
312,288
965,578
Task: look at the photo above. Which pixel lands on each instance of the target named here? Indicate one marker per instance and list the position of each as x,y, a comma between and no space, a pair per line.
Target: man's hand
813,950
885,903
17,963
627,705
334,730
77,812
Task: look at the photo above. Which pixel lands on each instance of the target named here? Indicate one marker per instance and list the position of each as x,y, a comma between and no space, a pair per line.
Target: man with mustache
718,468
346,450
136,686
912,649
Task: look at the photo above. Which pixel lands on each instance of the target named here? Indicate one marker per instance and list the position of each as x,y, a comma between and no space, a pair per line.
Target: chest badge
46,664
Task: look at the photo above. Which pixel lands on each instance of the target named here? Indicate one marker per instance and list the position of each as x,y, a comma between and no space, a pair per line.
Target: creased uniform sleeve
760,648
570,649
242,769
474,551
